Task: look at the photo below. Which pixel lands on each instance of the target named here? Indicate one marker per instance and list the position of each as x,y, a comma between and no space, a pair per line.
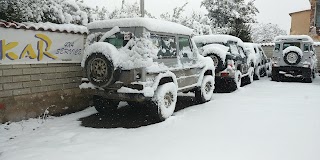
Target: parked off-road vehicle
294,57
142,60
227,53
258,60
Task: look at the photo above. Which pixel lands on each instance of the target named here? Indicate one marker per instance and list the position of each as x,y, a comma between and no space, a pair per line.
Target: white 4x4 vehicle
144,60
294,56
258,60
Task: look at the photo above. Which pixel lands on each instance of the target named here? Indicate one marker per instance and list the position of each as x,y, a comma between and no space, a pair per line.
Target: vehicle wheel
218,63
237,79
99,70
275,77
308,80
165,99
251,74
105,106
205,92
292,58
263,72
256,75
314,74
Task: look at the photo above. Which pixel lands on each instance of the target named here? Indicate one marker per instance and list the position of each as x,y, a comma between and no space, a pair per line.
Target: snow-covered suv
227,53
144,60
294,56
258,59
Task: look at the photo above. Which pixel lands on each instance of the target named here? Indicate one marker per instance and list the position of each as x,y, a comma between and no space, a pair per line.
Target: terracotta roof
51,27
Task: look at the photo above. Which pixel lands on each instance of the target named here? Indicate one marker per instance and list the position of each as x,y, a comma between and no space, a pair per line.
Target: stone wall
27,91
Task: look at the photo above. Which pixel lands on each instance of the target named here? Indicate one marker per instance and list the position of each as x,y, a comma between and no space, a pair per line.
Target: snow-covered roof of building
294,37
155,25
219,38
51,27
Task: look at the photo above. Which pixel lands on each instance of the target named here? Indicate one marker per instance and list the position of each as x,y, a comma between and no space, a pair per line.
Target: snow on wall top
68,28
219,38
294,37
155,25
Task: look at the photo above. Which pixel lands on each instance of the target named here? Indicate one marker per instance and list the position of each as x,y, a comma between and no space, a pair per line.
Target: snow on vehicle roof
294,37
219,38
155,25
69,28
248,44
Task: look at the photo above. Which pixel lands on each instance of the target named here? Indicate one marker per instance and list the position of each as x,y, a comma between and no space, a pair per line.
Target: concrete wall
26,91
300,23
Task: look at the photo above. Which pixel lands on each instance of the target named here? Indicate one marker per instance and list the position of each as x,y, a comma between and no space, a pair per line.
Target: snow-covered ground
262,121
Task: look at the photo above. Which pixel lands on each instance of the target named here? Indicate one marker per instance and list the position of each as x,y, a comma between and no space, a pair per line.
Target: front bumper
292,71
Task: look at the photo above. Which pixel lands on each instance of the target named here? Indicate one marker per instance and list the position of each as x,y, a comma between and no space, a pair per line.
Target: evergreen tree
231,16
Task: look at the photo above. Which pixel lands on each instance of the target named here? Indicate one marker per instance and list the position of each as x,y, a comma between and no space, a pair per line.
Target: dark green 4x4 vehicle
231,62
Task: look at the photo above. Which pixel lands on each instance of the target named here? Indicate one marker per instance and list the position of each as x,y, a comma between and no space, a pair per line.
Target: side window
306,47
167,46
255,50
277,47
233,48
241,51
185,49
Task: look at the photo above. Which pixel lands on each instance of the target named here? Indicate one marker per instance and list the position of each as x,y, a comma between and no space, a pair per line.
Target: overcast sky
271,11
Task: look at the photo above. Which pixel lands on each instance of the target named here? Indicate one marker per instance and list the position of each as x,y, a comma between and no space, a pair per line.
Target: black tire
287,56
275,77
164,101
308,80
204,93
99,70
220,66
257,73
105,106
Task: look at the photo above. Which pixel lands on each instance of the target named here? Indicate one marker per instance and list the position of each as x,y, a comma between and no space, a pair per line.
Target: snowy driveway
262,121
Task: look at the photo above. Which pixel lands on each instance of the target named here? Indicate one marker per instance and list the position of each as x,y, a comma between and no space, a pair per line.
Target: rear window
119,39
288,44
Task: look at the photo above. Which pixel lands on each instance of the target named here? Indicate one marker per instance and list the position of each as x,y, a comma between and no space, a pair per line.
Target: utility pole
142,8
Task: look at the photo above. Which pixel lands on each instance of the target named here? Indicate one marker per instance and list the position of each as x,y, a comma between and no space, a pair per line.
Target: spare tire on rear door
218,62
99,70
292,58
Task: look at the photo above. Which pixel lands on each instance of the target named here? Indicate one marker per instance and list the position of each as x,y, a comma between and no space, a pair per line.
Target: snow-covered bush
55,11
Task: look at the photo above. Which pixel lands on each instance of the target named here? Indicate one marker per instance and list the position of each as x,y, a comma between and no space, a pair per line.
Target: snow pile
278,123
252,56
217,49
207,39
293,49
57,27
141,53
149,23
294,37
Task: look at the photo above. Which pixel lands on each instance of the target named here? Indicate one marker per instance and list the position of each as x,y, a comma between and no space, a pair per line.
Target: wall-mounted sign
19,46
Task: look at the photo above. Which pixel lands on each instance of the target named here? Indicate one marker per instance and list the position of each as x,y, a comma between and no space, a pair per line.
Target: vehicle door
237,58
243,59
189,73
